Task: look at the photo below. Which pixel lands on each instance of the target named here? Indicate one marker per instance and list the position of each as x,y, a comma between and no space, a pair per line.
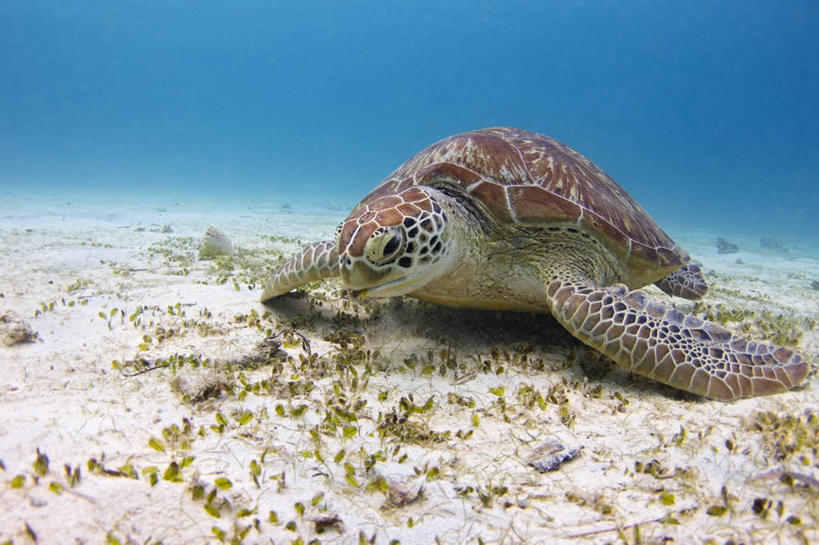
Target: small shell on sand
199,387
215,243
13,329
551,454
401,492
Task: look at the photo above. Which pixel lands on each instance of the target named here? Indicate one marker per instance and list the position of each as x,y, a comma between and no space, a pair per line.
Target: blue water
707,112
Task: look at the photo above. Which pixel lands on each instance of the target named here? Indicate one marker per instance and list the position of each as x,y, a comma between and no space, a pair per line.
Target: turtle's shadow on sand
401,327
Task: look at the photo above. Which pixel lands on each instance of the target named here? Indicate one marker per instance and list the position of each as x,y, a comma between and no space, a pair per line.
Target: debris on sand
215,244
772,244
14,329
725,247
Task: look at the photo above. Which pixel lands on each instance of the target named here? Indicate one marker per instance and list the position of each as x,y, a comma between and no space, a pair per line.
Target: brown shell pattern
533,180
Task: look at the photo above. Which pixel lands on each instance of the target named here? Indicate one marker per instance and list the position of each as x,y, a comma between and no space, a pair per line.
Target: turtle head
395,244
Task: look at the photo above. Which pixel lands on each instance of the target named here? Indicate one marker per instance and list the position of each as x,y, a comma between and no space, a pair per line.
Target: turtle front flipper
315,262
666,345
687,282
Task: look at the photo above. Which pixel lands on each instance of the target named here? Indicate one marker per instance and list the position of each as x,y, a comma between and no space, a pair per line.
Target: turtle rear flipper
315,262
687,282
668,346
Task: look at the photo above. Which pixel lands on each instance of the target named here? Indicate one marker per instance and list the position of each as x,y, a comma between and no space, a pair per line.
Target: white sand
638,479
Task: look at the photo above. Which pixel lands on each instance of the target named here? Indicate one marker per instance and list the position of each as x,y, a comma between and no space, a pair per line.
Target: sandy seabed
159,402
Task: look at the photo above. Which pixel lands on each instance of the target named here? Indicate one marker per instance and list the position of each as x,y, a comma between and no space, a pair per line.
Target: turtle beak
363,280
385,290
358,276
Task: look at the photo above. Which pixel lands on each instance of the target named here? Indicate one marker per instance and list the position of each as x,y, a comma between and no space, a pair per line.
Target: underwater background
707,112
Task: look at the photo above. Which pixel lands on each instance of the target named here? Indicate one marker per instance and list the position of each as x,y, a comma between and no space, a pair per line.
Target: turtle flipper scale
686,282
315,262
668,346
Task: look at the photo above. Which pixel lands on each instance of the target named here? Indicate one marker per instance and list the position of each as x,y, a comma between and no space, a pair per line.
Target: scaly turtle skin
507,219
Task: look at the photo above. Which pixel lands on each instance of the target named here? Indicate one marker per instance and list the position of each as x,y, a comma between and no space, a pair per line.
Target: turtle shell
531,180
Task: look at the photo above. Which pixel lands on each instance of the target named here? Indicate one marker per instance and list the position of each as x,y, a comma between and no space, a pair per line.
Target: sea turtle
507,219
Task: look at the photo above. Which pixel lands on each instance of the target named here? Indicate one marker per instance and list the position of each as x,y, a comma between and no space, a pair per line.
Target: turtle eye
392,246
384,245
